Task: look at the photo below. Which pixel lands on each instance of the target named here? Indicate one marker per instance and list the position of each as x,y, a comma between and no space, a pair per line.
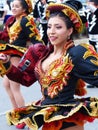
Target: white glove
92,8
3,57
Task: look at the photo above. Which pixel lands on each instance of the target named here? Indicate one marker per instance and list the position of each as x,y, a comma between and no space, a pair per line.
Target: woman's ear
70,31
24,10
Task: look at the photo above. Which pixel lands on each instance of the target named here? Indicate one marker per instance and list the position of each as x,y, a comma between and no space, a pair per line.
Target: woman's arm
24,73
4,34
85,61
30,30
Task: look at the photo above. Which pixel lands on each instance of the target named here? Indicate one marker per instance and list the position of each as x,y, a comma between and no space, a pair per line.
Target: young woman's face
57,31
17,8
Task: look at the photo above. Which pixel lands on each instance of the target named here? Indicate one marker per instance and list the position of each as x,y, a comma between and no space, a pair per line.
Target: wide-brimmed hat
30,7
70,8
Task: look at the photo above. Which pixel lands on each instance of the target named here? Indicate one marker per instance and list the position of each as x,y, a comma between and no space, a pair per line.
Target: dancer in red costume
62,70
19,30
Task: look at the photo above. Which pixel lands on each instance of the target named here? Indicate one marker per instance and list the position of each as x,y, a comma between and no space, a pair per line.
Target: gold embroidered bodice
23,30
14,30
56,77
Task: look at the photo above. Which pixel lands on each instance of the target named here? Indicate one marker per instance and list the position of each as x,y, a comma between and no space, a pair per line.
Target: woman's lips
52,38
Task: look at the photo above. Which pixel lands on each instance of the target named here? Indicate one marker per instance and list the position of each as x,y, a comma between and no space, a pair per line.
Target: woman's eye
58,27
12,5
48,27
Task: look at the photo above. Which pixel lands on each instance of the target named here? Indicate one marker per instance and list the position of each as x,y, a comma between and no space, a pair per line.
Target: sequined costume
59,84
18,33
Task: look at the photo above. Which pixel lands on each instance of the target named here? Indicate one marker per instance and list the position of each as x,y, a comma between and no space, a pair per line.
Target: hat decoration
70,9
29,3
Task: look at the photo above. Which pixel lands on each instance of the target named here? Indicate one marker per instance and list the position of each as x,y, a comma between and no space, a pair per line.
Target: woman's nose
52,30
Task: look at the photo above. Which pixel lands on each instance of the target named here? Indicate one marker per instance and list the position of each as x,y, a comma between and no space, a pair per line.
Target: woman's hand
5,64
4,57
93,7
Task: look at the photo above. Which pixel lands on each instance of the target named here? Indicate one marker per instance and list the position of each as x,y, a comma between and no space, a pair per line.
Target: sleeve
4,34
86,16
30,30
24,73
85,61
96,13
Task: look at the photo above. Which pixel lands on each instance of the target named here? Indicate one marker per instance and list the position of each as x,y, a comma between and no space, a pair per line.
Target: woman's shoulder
80,50
37,46
81,47
27,18
10,20
38,49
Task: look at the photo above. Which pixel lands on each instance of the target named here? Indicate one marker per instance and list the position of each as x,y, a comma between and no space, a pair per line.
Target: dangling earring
68,37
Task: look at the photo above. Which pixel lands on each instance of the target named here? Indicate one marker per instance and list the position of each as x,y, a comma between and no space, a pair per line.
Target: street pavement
30,94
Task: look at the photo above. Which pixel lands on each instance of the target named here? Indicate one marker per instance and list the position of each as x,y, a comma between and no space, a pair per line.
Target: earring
68,37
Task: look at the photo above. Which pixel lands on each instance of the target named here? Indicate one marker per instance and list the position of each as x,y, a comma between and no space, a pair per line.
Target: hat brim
67,10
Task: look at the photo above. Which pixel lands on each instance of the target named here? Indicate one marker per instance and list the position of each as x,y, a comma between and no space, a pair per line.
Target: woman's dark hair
9,3
64,17
25,6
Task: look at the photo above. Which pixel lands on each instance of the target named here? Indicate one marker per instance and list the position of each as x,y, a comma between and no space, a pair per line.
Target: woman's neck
62,49
58,50
20,16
